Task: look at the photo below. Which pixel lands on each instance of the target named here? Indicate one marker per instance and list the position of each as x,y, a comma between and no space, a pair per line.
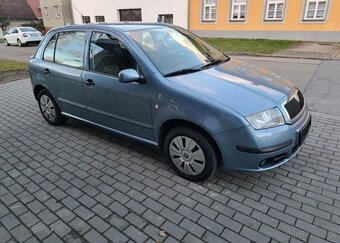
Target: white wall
150,9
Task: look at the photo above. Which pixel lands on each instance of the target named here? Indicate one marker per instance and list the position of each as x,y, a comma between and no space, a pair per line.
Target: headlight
266,119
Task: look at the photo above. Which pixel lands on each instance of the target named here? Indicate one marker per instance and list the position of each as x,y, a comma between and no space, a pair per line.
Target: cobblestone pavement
312,50
76,183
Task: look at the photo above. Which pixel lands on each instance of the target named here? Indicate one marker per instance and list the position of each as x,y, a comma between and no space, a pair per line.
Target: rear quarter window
49,50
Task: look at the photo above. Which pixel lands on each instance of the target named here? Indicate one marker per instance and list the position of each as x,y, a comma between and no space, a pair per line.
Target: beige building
56,13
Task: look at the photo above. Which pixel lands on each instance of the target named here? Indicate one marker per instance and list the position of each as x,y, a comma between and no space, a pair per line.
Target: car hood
243,87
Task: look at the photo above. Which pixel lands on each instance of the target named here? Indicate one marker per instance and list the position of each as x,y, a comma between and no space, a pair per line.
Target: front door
124,107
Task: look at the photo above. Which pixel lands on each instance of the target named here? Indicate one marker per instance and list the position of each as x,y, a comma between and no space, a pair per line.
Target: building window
133,15
238,10
315,10
100,19
86,19
209,10
46,11
275,9
57,11
166,18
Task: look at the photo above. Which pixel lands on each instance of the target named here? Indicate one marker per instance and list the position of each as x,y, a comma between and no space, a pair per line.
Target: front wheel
50,109
6,42
193,155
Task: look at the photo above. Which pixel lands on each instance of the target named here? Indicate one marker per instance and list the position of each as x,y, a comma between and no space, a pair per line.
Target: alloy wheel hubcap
187,155
47,107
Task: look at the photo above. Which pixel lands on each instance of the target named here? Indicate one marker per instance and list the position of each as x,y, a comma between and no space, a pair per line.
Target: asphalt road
318,79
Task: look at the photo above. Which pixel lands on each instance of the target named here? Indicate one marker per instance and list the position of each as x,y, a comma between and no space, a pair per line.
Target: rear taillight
24,35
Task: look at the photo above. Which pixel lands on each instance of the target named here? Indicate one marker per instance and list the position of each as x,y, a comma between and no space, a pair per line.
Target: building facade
114,11
314,20
56,13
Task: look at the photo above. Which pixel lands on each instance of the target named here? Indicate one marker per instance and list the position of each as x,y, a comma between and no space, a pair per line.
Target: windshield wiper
215,62
192,70
182,71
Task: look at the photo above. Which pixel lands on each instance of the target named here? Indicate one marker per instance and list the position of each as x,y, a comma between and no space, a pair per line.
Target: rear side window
49,50
69,48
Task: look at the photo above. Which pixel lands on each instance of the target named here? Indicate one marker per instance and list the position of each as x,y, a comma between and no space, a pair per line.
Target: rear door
62,71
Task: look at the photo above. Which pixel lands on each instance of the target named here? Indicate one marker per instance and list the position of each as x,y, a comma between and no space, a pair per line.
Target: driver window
108,55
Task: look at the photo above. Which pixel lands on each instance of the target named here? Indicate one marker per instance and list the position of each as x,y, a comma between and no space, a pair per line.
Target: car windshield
176,51
27,29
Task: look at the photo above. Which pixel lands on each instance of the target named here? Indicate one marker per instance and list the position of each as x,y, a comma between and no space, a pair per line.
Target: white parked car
22,35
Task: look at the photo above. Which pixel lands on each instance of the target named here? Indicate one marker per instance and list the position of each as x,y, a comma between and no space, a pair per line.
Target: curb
273,56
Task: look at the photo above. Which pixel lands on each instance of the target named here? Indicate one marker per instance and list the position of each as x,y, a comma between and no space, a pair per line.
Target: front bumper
258,150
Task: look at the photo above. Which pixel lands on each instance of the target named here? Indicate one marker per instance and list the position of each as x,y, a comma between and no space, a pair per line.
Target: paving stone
9,221
189,213
234,237
83,212
210,237
153,217
41,231
173,230
79,225
254,235
210,225
4,235
153,232
47,217
94,236
65,214
135,234
192,227
115,236
101,211
171,215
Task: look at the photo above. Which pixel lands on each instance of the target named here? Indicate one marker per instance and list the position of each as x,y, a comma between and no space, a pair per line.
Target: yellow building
316,20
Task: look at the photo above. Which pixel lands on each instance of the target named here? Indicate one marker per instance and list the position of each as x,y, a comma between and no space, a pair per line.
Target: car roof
124,27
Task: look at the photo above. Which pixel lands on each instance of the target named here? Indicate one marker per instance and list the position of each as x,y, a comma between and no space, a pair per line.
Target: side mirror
128,76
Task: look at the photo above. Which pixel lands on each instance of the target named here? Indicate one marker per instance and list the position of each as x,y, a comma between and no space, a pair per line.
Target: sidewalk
326,51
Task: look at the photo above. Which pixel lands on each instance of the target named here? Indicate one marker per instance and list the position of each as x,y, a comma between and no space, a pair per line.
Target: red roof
35,6
16,9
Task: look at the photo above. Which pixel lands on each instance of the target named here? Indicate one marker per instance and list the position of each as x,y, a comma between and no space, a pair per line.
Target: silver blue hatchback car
163,85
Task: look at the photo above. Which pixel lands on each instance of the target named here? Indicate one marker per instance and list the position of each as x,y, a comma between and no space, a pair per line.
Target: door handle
89,82
46,71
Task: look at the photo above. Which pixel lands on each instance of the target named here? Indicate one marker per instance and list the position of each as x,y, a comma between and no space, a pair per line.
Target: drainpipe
188,27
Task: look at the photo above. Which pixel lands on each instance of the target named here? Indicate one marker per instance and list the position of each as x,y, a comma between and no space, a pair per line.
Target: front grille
295,105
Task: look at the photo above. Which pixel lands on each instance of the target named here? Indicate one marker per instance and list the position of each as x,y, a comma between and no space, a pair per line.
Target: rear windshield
27,29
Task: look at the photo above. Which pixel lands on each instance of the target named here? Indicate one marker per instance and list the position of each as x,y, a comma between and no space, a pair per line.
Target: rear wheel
192,154
19,43
49,108
6,42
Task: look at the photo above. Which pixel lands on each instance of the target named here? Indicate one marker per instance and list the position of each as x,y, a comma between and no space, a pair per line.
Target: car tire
19,43
6,42
192,154
50,109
